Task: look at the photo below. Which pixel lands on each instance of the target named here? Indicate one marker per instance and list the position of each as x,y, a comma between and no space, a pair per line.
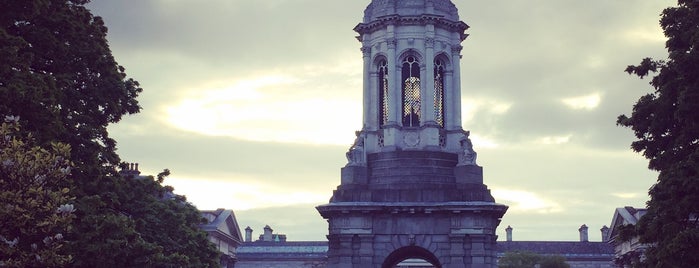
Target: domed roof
380,8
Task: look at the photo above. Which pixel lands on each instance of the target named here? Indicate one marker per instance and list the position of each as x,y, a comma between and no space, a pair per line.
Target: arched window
382,70
439,91
411,92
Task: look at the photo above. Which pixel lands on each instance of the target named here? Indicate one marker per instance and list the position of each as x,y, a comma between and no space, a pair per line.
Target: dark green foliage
666,124
168,219
525,259
58,75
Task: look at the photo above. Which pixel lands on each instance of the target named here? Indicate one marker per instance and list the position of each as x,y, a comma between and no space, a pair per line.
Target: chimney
268,234
130,170
248,234
509,233
605,233
583,233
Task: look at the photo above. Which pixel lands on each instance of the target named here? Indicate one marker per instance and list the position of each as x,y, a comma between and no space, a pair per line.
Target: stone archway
410,252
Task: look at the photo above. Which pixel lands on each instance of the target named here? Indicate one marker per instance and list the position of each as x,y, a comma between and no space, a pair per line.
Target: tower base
412,205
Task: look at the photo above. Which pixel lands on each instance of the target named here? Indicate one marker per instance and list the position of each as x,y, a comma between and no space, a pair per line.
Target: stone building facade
223,231
313,254
626,252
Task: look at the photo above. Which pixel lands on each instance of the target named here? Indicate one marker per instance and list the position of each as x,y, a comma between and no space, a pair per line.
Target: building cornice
425,19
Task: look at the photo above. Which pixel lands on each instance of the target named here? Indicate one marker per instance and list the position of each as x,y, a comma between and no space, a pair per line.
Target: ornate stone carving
429,42
366,51
457,49
391,42
411,139
442,139
355,154
380,139
467,155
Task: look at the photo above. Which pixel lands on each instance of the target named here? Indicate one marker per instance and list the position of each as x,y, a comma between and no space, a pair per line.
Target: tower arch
440,72
383,83
411,90
410,252
410,52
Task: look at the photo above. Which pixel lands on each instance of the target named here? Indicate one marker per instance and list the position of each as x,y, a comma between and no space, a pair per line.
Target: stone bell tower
412,189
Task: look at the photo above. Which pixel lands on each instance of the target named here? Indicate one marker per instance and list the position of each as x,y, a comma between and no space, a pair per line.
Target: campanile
412,189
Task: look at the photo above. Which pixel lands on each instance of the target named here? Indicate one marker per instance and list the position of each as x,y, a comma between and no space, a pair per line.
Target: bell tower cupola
411,188
411,52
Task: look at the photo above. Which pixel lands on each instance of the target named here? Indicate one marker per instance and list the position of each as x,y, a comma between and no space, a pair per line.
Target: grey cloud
528,53
286,165
234,34
534,54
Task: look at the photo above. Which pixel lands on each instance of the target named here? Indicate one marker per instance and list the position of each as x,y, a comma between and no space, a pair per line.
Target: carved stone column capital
456,49
429,42
392,42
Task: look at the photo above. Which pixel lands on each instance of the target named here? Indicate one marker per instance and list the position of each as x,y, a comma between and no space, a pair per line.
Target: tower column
428,91
369,98
455,109
373,119
450,95
395,84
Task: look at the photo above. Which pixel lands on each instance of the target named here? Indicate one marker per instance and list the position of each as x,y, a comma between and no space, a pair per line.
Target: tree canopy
58,75
666,124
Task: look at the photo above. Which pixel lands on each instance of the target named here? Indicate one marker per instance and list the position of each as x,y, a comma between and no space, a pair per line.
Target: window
439,91
383,92
411,92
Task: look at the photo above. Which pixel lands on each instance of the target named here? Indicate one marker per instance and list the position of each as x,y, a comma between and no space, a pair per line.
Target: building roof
264,250
570,250
222,224
382,8
624,216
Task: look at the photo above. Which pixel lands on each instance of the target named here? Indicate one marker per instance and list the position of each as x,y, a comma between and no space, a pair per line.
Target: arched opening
384,95
411,256
411,92
439,73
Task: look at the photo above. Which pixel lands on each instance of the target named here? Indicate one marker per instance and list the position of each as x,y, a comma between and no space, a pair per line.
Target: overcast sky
252,104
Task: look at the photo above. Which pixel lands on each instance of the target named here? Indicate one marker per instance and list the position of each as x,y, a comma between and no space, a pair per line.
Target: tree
167,218
666,123
526,259
58,75
36,208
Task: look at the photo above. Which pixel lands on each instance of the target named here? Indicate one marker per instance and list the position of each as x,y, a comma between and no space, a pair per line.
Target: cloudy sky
252,103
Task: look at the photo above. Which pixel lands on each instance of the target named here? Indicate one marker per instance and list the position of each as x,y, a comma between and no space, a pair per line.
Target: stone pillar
449,103
458,248
374,121
394,84
428,91
583,233
455,110
367,96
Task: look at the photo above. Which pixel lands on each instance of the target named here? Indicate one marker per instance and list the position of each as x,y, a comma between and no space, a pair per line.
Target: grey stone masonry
378,220
412,176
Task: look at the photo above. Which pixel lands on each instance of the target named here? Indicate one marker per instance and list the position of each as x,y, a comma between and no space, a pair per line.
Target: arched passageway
411,256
